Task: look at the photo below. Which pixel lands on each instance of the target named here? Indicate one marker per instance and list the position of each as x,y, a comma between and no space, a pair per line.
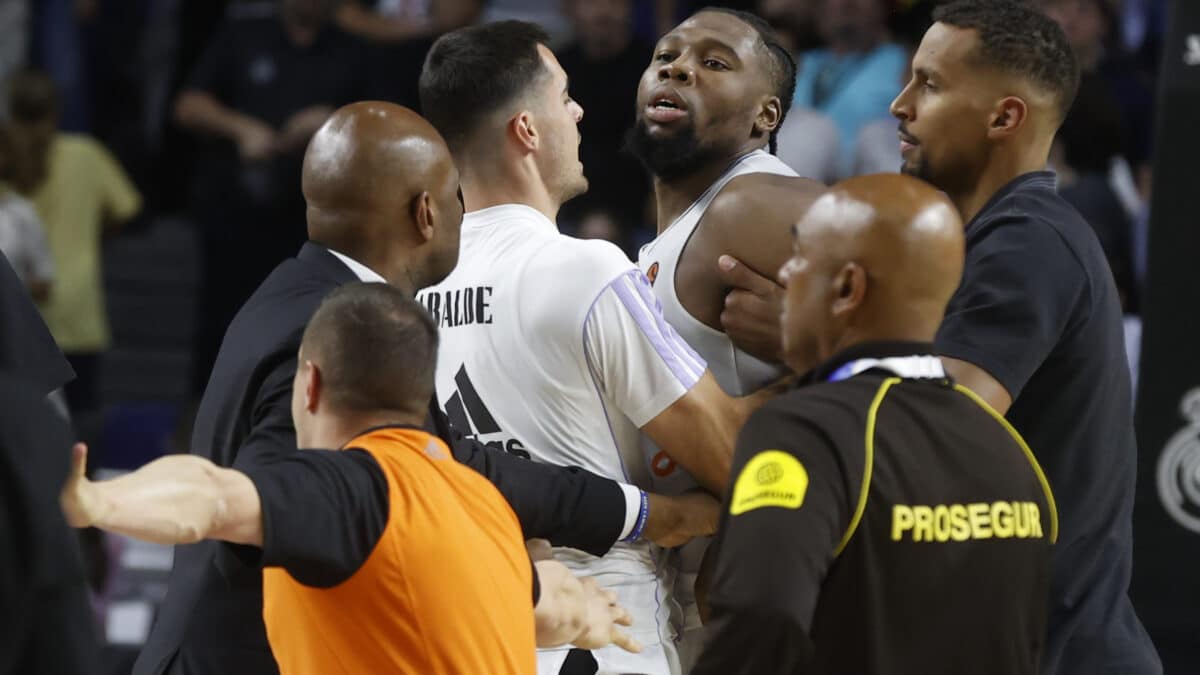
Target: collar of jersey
507,213
910,360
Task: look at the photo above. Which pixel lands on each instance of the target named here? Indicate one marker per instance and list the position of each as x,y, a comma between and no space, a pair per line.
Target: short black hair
780,61
1018,39
471,72
32,96
376,348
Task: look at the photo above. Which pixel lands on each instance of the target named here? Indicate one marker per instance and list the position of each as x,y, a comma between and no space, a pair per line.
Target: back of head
376,349
364,169
471,73
1017,39
32,98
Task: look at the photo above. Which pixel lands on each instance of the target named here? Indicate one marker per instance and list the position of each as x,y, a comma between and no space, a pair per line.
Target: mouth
666,107
907,142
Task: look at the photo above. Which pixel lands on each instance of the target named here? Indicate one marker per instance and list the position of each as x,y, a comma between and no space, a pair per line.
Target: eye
715,64
929,86
664,57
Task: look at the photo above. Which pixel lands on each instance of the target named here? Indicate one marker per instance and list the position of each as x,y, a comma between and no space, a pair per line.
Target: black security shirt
1038,310
879,525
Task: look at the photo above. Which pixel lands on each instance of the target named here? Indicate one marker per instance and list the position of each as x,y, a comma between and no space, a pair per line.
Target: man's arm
763,596
577,611
200,111
749,220
1018,295
179,499
573,507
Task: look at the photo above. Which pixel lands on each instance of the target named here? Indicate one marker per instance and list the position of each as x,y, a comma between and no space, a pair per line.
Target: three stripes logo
470,415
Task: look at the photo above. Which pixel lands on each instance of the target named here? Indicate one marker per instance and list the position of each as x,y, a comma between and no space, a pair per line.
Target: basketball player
718,87
555,346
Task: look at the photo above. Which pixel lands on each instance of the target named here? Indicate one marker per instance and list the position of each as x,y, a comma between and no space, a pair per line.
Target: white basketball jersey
556,348
737,372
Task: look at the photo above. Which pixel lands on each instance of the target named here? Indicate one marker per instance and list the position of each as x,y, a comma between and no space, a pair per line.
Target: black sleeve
323,512
27,349
788,508
1020,282
746,642
272,435
566,505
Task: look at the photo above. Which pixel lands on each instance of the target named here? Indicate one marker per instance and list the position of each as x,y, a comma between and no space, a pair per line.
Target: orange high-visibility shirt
446,590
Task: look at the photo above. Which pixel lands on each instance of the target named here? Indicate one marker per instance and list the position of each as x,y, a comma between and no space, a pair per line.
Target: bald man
909,525
383,206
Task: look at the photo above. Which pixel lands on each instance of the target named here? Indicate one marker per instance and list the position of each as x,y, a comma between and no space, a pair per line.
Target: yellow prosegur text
960,522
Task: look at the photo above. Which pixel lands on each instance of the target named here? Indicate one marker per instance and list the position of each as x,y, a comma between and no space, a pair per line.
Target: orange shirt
446,590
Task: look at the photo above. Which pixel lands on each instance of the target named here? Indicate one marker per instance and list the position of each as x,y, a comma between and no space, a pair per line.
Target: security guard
881,518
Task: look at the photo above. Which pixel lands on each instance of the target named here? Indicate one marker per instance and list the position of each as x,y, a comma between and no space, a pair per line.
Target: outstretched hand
602,618
80,501
752,309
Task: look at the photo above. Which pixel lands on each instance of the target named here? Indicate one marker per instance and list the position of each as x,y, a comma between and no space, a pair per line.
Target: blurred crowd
119,114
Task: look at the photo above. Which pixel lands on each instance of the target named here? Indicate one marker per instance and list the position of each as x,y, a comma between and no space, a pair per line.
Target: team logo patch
662,465
652,273
770,478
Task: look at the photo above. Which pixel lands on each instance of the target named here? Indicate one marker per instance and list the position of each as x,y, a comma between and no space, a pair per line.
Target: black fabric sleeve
1020,283
566,505
537,584
746,642
323,512
789,506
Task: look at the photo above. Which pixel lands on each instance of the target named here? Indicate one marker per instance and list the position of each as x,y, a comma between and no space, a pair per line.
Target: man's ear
524,131
770,114
313,385
849,289
1009,115
424,215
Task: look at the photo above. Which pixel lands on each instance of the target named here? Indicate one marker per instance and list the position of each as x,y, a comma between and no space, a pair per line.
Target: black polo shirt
1038,310
880,522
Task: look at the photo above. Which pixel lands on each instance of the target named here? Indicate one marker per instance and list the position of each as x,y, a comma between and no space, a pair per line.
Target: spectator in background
260,91
394,21
14,39
856,76
80,192
22,237
808,141
605,62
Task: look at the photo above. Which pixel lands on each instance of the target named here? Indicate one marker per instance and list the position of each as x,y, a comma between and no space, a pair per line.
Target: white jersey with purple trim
556,348
737,372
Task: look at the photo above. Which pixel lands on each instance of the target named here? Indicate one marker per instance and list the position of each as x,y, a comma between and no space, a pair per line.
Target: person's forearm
200,111
180,499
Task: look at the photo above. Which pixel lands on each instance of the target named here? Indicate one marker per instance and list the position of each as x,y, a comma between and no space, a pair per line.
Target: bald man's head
875,258
381,187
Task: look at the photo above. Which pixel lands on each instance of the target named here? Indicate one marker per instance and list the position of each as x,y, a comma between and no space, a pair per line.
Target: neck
494,183
397,270
1000,172
674,196
334,430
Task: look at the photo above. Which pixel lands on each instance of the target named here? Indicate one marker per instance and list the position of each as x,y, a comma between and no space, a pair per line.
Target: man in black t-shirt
1035,328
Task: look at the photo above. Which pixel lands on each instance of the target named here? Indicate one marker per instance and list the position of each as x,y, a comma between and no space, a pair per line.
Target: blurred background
150,158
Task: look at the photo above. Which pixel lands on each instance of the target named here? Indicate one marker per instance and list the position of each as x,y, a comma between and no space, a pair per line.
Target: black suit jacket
27,350
211,619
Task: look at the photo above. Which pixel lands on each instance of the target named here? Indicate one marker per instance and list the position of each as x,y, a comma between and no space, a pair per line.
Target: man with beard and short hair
555,346
1035,327
717,89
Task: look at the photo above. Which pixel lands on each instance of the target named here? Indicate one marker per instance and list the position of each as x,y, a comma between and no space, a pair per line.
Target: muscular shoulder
751,217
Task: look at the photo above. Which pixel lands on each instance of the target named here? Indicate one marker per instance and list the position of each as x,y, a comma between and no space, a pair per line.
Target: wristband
640,523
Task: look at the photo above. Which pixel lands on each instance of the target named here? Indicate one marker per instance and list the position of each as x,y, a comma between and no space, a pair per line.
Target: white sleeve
637,358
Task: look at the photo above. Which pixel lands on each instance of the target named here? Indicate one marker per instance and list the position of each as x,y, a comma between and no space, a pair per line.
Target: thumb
736,274
78,462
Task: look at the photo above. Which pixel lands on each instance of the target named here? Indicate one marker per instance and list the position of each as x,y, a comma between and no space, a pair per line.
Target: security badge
770,478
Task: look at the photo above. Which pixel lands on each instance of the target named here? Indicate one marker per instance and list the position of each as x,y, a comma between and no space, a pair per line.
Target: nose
900,108
674,71
576,112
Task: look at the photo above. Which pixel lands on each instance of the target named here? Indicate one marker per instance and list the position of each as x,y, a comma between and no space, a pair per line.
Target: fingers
620,639
79,461
735,273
